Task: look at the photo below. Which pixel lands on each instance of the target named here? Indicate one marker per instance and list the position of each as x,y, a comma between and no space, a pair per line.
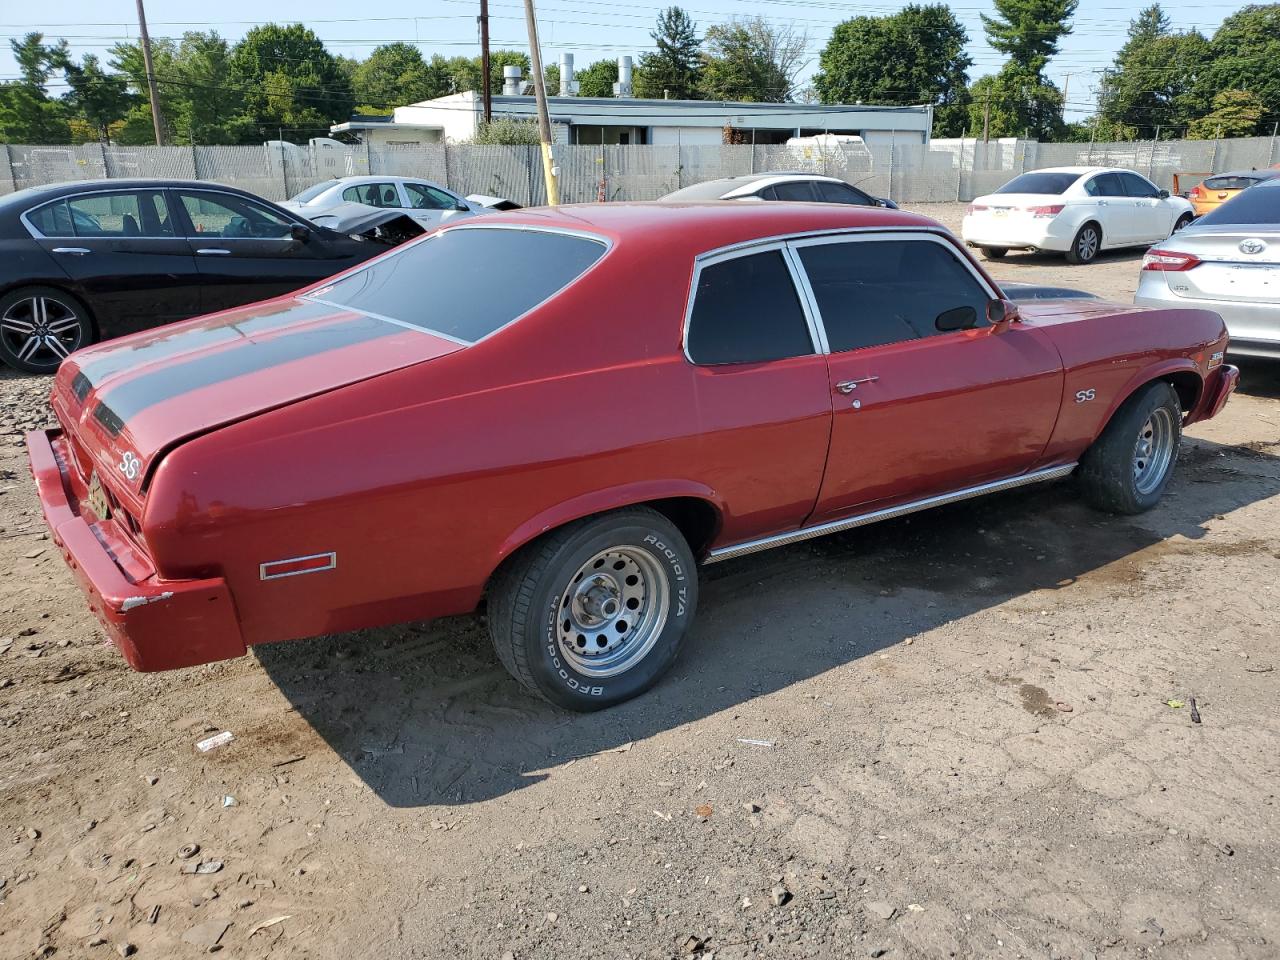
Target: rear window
312,192
1230,183
466,283
1048,183
1261,205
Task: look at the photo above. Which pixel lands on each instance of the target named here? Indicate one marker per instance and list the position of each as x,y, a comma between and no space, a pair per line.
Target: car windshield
1259,205
449,284
312,192
1040,182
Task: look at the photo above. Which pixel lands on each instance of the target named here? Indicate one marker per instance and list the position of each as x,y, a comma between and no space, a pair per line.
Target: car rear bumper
157,624
1222,382
1254,327
1016,232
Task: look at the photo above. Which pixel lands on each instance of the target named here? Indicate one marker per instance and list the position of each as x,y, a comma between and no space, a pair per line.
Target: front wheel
594,613
993,253
1183,220
1085,245
40,326
1130,464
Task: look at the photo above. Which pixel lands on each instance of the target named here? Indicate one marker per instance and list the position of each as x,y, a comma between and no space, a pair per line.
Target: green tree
506,132
27,114
597,79
916,55
1245,55
751,60
671,70
1028,31
1154,82
1235,114
1015,102
99,98
287,80
395,74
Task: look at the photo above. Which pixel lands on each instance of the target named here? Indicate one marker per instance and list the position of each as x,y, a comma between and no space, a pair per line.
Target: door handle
1102,203
848,386
74,251
213,252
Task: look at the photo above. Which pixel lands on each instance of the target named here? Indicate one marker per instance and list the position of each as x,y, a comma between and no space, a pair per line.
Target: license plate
1000,211
1256,280
97,499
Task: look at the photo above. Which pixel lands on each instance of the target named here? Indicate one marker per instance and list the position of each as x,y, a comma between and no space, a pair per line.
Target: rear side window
466,283
1257,206
1110,185
841,193
873,292
746,310
373,194
1040,182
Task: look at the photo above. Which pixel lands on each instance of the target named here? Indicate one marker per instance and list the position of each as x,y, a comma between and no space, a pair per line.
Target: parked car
1214,191
1079,211
809,187
568,445
340,202
91,260
1228,261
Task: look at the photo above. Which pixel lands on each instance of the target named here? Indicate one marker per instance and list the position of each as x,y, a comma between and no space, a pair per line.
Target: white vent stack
568,85
511,81
623,87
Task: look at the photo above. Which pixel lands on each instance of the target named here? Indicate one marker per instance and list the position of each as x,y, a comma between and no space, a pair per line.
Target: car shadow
1023,258
1258,377
424,714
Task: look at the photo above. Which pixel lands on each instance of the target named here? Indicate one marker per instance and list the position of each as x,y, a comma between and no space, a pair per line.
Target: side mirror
959,318
1163,194
461,207
1001,313
300,232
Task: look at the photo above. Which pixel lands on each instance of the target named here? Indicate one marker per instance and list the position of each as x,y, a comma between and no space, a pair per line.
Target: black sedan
91,260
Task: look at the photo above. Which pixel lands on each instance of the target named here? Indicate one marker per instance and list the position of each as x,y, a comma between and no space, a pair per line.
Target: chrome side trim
888,513
332,564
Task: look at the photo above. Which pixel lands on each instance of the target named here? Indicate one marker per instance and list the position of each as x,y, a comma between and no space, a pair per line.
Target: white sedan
1078,211
338,203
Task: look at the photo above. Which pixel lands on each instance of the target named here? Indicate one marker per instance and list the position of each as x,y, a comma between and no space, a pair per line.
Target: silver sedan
343,202
1228,261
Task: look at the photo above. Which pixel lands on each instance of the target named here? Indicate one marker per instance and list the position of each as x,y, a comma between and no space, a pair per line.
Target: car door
760,401
921,410
430,205
121,249
1151,215
1117,211
245,249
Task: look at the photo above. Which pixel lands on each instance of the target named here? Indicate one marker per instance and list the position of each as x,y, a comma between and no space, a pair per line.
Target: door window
140,213
1110,185
231,217
842,193
873,292
795,190
746,310
1137,186
424,197
373,194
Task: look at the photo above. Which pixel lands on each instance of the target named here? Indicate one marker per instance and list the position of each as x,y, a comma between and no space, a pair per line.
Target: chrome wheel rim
40,330
1087,245
612,611
1153,451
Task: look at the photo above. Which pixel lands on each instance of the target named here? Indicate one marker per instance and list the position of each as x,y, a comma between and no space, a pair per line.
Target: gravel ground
950,735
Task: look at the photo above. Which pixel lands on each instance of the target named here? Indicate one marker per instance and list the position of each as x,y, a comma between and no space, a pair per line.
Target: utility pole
540,96
986,117
157,121
487,95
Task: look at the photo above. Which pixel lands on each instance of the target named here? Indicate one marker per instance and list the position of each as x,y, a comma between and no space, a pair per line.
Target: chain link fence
944,170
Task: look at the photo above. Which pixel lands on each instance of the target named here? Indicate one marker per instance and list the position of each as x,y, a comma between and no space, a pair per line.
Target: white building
627,120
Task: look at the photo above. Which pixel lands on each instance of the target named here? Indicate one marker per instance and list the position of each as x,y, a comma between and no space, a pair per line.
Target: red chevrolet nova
562,413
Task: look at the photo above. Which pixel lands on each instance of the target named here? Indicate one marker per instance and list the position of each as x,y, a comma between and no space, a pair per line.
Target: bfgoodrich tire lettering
1130,464
594,613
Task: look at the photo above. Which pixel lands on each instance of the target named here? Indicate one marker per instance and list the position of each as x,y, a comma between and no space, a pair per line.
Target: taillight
1197,192
976,207
1048,212
1169,260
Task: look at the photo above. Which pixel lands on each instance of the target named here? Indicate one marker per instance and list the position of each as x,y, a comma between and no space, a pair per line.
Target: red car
561,413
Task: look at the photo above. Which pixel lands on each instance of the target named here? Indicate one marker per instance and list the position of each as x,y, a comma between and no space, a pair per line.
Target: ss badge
129,465
1084,396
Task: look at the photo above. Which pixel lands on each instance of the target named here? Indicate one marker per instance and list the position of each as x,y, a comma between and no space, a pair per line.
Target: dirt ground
954,735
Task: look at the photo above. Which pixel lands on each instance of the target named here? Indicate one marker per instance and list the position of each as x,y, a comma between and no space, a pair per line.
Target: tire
1085,244
550,629
1183,220
993,253
39,326
1130,464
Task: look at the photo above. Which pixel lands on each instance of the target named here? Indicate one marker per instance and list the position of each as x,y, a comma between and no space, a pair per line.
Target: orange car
1218,189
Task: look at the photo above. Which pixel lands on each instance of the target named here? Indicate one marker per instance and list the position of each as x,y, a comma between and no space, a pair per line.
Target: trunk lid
1226,271
129,400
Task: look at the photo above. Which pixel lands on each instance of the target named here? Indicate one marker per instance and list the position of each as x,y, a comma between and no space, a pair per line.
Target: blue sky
590,29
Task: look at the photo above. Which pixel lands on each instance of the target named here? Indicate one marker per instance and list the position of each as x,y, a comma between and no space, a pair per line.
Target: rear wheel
994,253
1086,244
594,613
1130,464
39,326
